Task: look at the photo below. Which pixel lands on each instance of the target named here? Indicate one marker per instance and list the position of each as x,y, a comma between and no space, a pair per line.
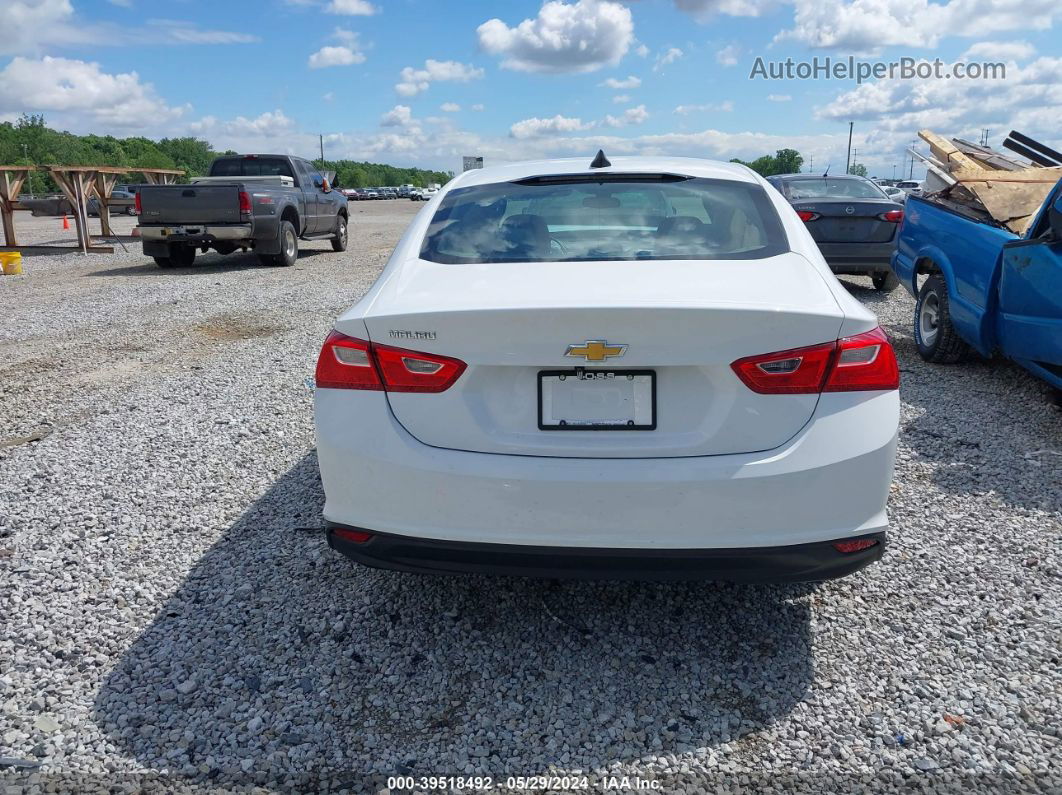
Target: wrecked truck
983,288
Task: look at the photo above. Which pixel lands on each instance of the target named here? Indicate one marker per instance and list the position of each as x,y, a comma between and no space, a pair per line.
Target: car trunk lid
849,221
510,322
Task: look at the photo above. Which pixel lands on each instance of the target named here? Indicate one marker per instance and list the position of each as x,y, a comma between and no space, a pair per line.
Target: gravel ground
173,620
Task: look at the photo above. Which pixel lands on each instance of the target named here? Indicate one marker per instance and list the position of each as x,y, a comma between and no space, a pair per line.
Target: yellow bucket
11,262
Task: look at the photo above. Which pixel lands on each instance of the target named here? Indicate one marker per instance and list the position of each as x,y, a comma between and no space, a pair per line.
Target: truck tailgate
190,204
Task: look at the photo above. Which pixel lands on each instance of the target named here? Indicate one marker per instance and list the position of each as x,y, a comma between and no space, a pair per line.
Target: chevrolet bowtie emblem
596,350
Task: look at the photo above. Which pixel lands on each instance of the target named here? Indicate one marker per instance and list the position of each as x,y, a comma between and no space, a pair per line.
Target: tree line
30,141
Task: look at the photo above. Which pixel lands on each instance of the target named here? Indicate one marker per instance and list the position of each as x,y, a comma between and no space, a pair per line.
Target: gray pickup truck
264,203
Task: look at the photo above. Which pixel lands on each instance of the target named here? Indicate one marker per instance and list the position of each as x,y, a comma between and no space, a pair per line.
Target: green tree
858,169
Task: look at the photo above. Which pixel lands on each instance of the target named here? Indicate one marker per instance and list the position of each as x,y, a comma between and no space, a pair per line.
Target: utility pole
321,136
848,165
894,171
811,163
855,159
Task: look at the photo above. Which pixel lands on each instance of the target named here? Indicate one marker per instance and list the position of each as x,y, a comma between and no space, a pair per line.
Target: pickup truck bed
982,288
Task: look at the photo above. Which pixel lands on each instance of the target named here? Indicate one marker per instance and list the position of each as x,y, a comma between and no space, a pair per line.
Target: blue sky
424,81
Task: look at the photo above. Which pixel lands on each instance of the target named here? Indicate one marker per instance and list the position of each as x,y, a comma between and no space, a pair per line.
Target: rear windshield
617,218
251,167
819,188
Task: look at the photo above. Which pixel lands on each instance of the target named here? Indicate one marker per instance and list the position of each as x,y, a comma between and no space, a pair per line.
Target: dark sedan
851,219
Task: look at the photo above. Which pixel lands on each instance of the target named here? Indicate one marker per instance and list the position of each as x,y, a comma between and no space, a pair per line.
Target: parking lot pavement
171,613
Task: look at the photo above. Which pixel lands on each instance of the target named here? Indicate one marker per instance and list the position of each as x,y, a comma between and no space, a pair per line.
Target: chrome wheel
343,232
289,244
929,319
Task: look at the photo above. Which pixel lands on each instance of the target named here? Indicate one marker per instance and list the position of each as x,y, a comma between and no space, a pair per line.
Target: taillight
864,362
895,216
860,363
799,371
245,203
136,202
857,545
806,216
346,363
412,371
349,363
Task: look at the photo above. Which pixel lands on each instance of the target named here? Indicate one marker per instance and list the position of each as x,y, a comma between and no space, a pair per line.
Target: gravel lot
172,618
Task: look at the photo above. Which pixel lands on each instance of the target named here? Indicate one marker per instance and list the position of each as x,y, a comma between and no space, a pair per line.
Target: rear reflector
349,534
245,203
892,215
349,363
806,216
860,363
136,203
848,547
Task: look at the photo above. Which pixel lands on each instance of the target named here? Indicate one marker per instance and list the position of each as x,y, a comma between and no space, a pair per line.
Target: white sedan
637,369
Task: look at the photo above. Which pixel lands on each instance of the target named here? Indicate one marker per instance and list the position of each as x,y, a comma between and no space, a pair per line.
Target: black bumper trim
792,563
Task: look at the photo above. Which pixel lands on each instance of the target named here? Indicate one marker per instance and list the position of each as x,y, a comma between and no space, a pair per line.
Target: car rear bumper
829,482
857,258
794,563
195,232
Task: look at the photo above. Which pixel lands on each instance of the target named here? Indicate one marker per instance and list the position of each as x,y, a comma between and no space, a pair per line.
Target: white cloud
779,97
361,8
630,116
178,32
728,55
628,82
1027,100
866,26
563,38
641,51
670,55
415,81
449,107
723,107
335,56
81,91
532,128
398,116
621,99
32,27
1000,51
328,97
478,107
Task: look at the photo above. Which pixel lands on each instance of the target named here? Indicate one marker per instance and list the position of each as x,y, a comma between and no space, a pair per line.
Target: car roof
685,166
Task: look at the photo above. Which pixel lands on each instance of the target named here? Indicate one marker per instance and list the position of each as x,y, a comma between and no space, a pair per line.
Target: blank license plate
597,400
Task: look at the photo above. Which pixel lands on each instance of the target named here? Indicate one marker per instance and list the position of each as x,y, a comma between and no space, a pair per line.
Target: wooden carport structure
78,183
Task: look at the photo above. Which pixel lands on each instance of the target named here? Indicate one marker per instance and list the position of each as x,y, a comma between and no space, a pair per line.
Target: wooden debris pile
991,185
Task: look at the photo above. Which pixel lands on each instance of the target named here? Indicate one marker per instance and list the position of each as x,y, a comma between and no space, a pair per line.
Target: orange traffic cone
66,222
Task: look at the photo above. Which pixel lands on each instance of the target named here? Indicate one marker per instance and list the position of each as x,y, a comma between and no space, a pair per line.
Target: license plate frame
602,426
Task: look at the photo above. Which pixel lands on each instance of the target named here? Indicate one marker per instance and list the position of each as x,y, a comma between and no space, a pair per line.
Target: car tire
182,255
163,262
339,242
935,337
885,281
289,247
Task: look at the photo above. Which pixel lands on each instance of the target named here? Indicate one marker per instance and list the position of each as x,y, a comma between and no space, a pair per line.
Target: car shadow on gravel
276,654
205,264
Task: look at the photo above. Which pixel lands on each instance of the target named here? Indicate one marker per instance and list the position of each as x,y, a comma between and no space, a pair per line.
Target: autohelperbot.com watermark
851,68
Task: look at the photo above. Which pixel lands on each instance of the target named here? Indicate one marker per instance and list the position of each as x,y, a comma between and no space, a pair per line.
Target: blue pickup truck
982,288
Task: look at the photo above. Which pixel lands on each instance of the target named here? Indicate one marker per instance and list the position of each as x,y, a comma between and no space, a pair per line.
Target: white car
641,369
910,187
